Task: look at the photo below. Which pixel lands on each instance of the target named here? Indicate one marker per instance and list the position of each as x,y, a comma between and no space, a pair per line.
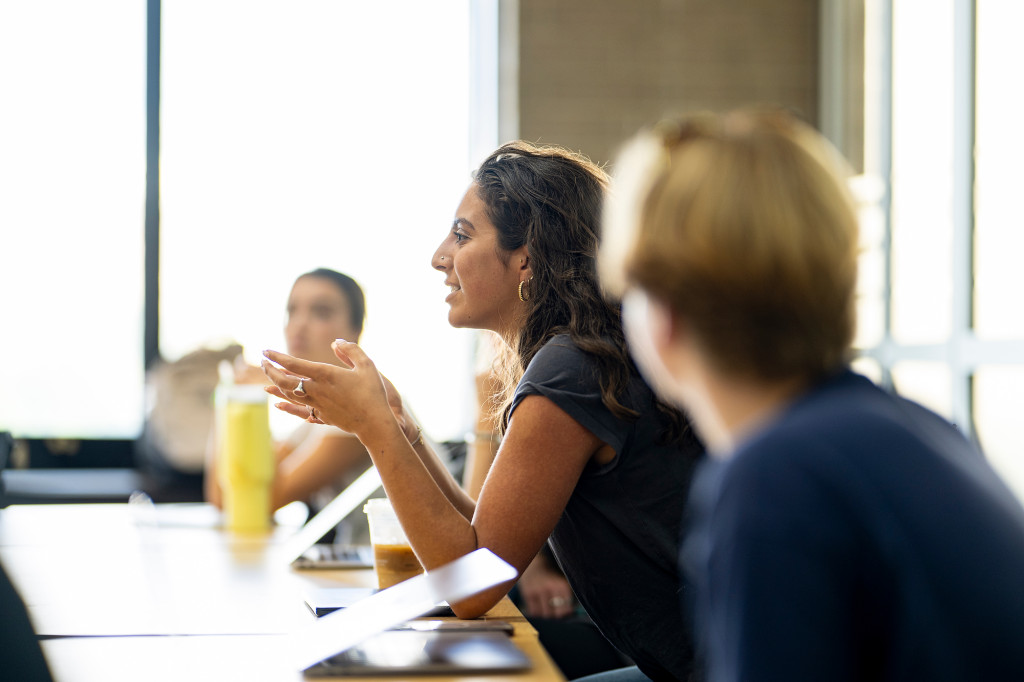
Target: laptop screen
331,634
347,501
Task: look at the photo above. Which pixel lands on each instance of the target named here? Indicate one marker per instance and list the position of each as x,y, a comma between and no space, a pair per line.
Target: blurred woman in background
315,462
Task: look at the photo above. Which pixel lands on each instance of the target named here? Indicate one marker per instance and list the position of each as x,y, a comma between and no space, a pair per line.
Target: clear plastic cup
393,558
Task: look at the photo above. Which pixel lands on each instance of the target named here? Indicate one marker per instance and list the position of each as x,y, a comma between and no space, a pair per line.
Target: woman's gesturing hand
354,397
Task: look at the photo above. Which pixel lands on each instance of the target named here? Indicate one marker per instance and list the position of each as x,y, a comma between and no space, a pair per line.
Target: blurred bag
180,411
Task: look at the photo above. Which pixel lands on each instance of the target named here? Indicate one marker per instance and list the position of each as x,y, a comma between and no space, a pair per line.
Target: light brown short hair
741,225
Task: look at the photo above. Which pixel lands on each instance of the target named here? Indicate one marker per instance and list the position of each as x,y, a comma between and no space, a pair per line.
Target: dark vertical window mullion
151,333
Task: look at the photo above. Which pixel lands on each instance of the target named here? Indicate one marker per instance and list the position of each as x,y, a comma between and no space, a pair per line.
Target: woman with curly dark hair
589,457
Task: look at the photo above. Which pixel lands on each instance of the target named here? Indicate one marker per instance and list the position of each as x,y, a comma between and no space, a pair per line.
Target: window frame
963,351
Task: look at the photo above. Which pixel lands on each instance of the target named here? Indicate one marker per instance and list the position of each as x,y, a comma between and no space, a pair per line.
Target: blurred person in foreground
21,657
840,532
588,457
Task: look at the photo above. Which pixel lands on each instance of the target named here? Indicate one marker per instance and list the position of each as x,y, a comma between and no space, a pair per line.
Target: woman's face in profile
317,314
483,290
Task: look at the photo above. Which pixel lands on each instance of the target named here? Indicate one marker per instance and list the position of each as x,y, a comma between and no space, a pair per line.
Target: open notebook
358,640
302,550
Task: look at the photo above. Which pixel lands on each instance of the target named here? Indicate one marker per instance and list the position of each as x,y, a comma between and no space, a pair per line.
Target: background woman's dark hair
550,199
350,289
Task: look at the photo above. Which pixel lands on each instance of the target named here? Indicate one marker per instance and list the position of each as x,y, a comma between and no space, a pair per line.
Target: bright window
949,142
322,133
72,194
999,146
293,136
922,170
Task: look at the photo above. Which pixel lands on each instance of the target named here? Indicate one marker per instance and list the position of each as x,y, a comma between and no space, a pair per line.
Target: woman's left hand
354,397
545,591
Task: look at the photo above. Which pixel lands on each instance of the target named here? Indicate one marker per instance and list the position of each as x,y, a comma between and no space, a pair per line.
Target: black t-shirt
618,538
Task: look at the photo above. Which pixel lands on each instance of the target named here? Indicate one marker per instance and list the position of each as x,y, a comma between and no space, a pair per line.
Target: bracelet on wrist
419,437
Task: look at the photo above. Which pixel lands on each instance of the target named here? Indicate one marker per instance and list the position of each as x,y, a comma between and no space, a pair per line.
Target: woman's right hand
354,397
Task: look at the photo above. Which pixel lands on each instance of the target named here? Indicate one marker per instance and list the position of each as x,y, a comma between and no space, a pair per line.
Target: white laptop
359,640
302,550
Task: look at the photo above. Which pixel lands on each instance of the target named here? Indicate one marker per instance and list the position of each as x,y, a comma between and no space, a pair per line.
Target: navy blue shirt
618,539
858,536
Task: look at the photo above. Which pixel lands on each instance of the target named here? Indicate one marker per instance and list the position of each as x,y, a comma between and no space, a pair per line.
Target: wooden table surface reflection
128,592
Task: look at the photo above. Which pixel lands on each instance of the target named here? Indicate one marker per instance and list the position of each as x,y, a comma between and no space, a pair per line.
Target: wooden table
128,592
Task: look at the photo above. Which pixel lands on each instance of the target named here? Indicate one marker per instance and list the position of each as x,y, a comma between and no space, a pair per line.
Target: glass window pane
928,383
998,406
72,193
999,147
871,283
321,133
922,177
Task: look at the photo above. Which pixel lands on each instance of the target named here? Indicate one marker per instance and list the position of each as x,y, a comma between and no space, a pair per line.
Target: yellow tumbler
246,455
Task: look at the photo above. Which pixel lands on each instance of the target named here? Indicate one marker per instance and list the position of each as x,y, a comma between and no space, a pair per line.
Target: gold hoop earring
525,298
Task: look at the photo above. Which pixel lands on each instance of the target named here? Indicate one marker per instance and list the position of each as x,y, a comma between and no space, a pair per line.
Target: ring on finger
558,601
300,389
